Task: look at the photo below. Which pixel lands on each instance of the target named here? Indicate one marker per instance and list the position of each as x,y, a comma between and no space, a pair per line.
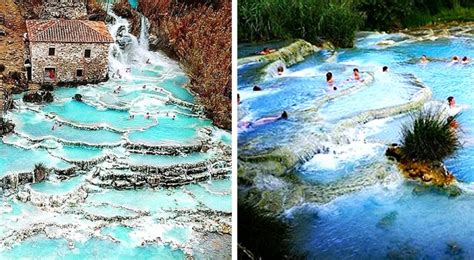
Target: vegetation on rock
429,137
426,141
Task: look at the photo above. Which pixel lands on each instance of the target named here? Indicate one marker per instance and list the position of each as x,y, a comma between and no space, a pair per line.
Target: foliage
385,14
199,33
339,25
429,137
396,14
262,20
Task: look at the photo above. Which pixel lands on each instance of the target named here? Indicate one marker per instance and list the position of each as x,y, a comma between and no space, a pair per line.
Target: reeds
262,20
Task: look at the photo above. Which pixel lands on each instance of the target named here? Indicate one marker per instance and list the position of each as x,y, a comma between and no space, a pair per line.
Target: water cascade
343,192
123,166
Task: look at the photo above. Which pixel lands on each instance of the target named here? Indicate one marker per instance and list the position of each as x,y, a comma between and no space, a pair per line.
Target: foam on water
394,219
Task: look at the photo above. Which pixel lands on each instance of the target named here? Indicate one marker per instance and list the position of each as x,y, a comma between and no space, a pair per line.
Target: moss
290,54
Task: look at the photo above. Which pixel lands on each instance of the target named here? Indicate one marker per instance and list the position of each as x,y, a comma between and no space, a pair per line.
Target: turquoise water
84,221
394,220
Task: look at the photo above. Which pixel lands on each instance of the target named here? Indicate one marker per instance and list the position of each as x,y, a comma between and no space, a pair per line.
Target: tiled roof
68,31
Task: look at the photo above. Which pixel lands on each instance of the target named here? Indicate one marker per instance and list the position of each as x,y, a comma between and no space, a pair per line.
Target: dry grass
199,33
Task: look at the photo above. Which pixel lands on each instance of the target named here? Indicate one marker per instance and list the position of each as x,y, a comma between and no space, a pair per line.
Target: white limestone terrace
134,168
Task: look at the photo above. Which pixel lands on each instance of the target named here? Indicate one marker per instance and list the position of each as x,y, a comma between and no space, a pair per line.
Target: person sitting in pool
453,109
147,115
385,69
329,79
451,102
452,122
174,117
355,75
266,51
263,121
465,60
423,59
257,88
280,70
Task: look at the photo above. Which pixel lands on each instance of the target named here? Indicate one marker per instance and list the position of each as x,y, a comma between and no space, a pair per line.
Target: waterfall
143,32
127,49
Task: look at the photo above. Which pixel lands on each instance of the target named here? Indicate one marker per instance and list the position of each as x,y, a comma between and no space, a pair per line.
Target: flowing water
73,218
391,219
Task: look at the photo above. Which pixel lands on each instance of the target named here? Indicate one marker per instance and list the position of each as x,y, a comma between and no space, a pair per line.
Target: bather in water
262,121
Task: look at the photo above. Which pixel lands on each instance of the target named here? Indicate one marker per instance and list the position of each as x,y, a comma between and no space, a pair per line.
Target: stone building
69,9
68,51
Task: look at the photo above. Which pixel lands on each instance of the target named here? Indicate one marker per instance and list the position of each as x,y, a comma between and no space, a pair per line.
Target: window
87,54
79,73
52,51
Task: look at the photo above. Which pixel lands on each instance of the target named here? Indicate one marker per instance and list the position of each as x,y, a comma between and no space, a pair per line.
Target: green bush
429,137
339,25
263,20
385,14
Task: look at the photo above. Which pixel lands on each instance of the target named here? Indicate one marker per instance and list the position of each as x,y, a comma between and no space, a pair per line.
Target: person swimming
423,59
455,60
263,121
280,70
385,69
257,88
465,60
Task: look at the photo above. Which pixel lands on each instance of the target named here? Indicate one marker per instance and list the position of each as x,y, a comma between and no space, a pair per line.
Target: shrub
339,25
429,137
262,20
385,14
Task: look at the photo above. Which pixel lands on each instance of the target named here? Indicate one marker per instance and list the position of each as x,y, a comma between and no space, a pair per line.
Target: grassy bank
263,20
199,34
338,20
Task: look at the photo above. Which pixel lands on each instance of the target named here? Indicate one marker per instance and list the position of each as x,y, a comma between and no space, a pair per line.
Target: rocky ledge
6,127
430,173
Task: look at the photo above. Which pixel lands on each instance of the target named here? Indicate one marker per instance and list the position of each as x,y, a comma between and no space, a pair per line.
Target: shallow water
78,220
390,220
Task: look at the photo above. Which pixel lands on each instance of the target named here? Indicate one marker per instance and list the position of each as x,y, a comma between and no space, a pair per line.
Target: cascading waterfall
144,26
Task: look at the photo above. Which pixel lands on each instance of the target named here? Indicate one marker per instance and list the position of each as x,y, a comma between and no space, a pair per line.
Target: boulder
6,127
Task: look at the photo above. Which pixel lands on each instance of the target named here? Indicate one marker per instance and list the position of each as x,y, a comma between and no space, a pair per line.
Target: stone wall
70,9
69,57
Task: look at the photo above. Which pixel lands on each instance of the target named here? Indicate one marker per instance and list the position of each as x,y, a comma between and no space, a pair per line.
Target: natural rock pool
339,193
133,172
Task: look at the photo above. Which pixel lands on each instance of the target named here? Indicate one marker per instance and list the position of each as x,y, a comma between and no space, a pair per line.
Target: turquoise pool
395,219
